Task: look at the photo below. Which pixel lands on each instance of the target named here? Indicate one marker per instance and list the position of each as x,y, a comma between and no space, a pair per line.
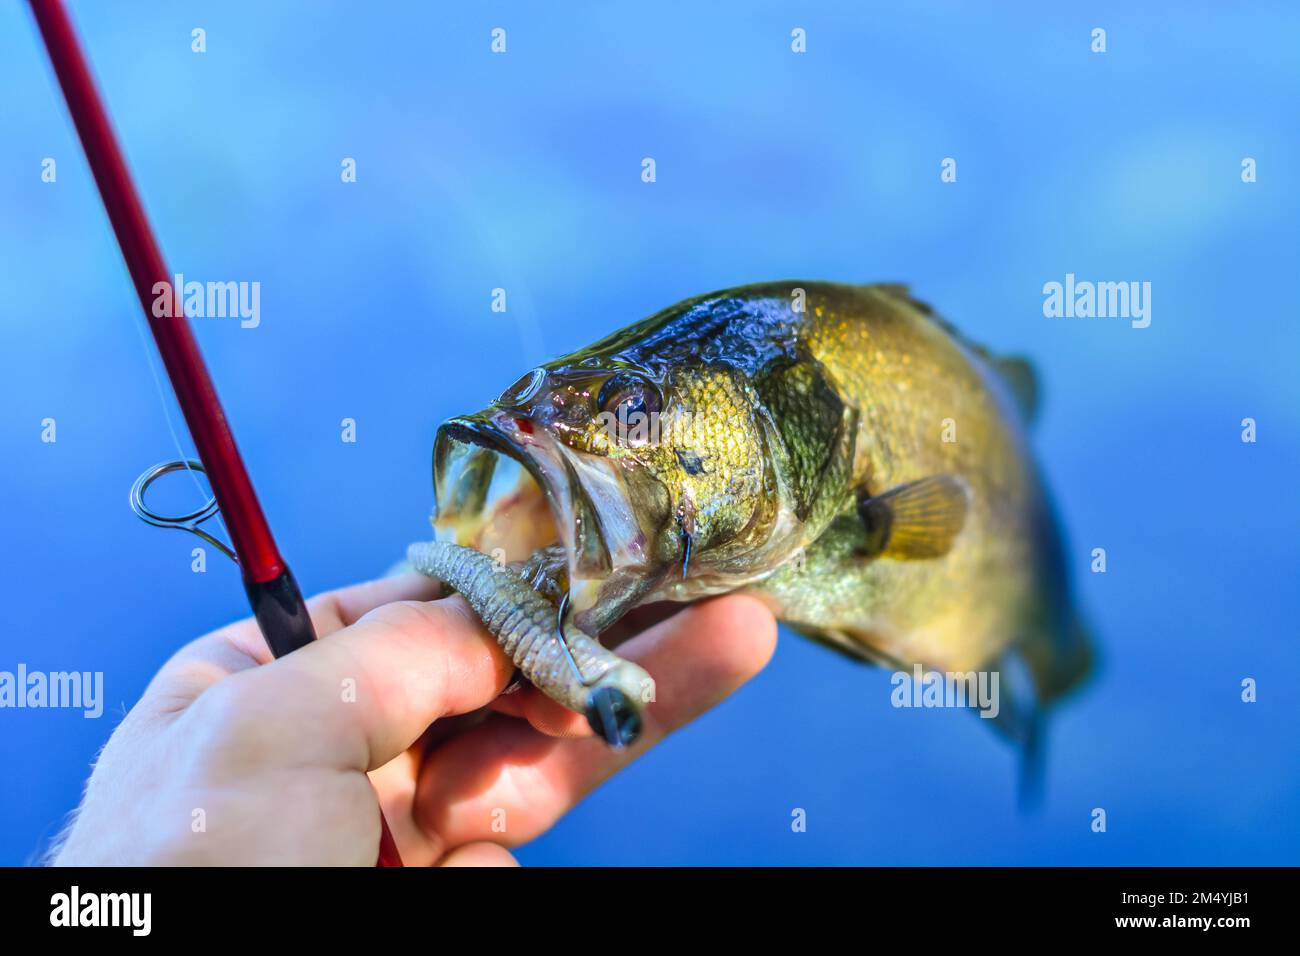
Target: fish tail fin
1021,721
1031,778
1031,685
1070,665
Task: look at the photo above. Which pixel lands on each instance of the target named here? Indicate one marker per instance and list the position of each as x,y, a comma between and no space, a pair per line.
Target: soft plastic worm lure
560,660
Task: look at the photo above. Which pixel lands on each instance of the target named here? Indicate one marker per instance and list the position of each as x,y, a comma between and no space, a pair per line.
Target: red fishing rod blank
272,592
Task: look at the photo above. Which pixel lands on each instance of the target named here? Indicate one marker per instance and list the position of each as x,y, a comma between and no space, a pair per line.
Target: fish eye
627,394
528,385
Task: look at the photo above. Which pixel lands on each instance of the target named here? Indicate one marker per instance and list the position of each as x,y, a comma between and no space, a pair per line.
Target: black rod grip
281,613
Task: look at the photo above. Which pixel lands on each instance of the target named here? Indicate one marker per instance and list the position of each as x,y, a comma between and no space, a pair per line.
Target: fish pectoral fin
845,643
920,519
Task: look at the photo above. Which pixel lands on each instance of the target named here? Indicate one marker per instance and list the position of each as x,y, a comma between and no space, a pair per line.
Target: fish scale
839,451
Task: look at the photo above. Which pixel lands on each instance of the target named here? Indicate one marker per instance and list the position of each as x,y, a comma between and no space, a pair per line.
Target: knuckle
231,726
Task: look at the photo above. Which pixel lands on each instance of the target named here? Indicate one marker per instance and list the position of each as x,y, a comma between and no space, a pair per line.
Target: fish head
631,476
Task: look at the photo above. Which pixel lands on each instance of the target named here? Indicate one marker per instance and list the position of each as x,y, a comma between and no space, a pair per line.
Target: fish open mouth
508,488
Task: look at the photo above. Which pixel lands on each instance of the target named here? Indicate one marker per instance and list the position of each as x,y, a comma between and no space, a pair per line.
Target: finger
239,645
509,703
551,718
556,720
361,696
479,854
697,658
394,784
335,610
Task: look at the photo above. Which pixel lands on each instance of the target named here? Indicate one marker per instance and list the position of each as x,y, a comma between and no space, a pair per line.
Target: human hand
232,758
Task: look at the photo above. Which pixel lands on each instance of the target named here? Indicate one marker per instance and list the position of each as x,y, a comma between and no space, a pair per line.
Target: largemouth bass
839,451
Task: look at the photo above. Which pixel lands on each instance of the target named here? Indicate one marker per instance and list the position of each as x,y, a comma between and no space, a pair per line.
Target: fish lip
577,519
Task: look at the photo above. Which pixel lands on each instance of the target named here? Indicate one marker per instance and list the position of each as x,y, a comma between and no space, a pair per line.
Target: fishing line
273,594
181,455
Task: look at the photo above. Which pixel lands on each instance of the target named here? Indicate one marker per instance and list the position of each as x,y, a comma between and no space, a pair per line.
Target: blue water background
522,171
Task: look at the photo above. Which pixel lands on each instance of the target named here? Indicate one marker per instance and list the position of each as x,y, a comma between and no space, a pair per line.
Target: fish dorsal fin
1022,381
920,519
903,293
1014,370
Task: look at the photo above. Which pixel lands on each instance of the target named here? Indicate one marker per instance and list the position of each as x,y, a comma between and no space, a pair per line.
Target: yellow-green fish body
927,403
837,450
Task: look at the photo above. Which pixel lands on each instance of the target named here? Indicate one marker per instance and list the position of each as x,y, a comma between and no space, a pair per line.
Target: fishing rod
273,594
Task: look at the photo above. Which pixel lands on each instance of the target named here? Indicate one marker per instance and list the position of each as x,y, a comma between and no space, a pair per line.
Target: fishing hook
560,613
688,539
